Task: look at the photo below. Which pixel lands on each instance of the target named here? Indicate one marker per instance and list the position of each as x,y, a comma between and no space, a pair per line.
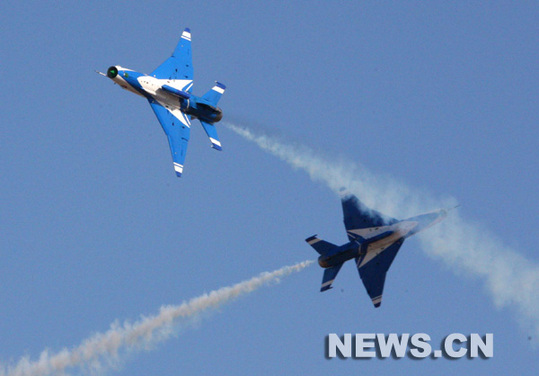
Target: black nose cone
112,72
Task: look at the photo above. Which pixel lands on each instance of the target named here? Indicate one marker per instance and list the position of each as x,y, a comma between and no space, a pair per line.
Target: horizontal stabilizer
215,93
329,277
321,246
211,131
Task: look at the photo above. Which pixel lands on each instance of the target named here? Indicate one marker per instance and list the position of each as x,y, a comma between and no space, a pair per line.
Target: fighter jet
374,240
168,90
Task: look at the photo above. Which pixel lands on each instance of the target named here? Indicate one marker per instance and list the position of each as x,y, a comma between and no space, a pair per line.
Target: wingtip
186,34
178,168
216,144
344,193
377,301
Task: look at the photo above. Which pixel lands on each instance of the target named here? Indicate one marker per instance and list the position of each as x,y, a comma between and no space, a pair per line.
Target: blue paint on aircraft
168,89
374,241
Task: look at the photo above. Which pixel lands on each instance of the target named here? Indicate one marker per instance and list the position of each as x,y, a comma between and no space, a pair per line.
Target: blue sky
97,228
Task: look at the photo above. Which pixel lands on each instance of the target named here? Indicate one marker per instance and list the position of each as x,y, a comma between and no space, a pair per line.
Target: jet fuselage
170,93
372,241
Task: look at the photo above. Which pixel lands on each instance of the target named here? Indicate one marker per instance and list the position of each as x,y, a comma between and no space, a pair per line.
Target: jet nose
112,72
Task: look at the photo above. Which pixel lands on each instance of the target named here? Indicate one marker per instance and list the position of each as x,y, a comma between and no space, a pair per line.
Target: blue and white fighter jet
168,90
374,240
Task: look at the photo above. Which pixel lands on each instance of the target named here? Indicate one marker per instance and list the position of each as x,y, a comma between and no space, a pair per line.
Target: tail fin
321,246
212,97
212,134
329,277
215,93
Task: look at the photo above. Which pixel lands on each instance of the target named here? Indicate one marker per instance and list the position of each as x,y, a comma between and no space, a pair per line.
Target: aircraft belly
341,257
168,100
148,85
131,89
125,85
344,257
374,249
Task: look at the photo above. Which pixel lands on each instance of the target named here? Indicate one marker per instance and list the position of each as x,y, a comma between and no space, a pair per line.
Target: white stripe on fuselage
371,232
151,85
399,229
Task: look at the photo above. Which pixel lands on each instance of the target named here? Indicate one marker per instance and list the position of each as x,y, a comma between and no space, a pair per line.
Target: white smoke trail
377,191
149,330
510,278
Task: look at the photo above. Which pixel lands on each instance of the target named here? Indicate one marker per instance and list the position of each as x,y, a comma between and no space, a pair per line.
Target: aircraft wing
358,216
180,65
177,127
373,271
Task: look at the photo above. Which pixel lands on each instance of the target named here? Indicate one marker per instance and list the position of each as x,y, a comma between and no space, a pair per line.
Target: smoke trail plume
139,335
510,278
